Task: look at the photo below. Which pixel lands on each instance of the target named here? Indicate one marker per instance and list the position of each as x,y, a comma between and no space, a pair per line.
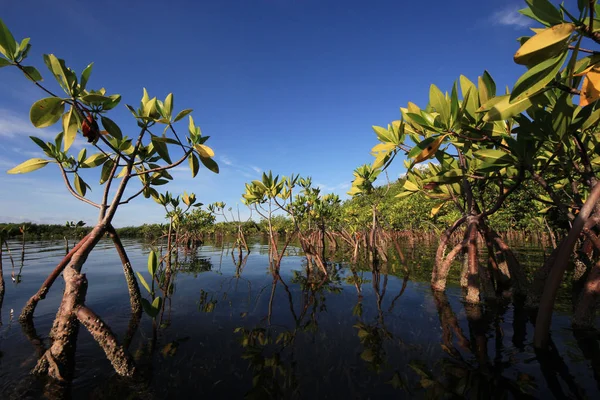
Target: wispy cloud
333,188
256,169
15,125
225,160
510,16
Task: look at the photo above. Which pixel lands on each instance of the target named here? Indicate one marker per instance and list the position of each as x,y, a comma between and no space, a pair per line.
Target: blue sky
286,85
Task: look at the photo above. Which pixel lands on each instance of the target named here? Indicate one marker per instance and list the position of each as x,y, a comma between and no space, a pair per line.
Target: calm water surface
232,333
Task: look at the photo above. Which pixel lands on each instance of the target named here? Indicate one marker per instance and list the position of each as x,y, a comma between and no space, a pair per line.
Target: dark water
229,334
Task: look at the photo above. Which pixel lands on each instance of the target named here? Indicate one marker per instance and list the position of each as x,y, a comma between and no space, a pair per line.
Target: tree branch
72,191
158,169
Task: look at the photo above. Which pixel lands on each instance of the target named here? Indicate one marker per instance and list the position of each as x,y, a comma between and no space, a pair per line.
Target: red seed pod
90,130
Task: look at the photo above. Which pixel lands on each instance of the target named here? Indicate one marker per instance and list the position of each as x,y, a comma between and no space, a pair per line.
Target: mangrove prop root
58,360
544,316
584,315
440,275
116,354
28,310
135,297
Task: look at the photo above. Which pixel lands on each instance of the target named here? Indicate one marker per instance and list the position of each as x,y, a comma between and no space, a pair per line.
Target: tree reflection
270,347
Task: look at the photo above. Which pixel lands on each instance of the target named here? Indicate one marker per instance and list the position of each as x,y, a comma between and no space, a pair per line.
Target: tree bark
473,284
135,297
544,317
28,310
585,311
116,354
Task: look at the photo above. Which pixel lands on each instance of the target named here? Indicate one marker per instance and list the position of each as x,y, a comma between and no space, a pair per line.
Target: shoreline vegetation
411,216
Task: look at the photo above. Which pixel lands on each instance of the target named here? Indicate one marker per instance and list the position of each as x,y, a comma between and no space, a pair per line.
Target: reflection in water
232,327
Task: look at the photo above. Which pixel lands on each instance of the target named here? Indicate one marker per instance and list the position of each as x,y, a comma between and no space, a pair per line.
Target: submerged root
116,354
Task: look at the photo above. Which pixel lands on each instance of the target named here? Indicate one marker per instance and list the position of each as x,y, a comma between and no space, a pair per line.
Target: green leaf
382,134
168,106
493,155
33,74
143,281
8,46
591,121
438,101
537,78
410,186
182,114
470,96
42,144
94,160
489,84
82,156
70,127
194,165
454,106
95,98
148,308
161,148
415,151
112,128
210,164
450,176
80,185
85,76
503,109
46,112
156,304
106,170
4,62
28,166
562,114
152,263
58,69
545,12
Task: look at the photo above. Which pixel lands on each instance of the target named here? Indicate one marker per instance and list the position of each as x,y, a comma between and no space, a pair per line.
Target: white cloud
332,188
510,16
15,125
225,160
256,169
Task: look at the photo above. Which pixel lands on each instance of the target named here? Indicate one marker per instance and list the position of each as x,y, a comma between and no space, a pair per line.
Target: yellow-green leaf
28,166
194,165
143,281
94,160
438,101
46,112
80,186
436,209
536,78
152,263
204,151
503,109
410,186
545,44
70,127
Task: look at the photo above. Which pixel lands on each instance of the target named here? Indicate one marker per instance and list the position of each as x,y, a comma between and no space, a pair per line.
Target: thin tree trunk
473,284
